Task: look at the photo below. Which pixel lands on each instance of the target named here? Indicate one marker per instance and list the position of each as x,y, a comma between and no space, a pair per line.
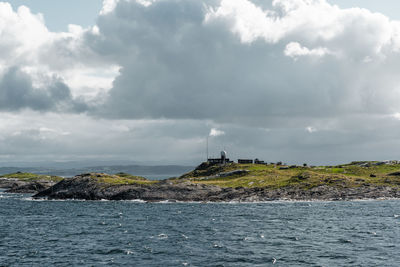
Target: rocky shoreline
26,187
82,187
222,183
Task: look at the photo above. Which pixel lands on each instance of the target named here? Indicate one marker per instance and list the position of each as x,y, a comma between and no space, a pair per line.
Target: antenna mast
207,147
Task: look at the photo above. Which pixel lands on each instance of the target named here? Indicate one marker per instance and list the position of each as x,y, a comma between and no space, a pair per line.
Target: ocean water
129,233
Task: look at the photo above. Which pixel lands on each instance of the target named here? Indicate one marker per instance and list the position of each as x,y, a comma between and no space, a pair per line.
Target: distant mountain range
150,172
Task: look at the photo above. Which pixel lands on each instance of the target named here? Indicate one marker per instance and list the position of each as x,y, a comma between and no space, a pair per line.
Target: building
257,161
245,161
222,160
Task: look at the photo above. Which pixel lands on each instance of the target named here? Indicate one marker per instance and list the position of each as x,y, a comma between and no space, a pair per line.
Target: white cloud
311,129
229,61
152,73
295,50
145,2
395,116
247,20
27,45
216,132
350,31
108,6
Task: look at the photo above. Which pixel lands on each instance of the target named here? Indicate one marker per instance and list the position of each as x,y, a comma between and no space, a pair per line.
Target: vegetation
116,179
273,176
119,179
31,177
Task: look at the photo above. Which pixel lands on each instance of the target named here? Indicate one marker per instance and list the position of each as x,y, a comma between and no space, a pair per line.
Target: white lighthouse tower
223,157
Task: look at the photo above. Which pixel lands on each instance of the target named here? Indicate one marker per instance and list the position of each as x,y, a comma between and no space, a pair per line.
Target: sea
134,233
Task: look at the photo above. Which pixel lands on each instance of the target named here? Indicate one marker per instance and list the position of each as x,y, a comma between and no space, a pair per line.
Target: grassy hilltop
239,182
118,179
110,179
30,177
355,174
233,175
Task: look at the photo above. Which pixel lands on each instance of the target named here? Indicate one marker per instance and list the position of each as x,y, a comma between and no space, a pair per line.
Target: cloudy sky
313,81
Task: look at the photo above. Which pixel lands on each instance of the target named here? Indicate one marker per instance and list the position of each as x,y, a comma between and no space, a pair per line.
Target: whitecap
136,201
162,236
217,246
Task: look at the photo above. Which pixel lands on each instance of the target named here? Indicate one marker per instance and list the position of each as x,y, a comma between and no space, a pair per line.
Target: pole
207,148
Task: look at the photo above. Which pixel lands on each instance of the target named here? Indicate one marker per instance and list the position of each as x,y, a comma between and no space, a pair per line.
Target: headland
215,182
240,182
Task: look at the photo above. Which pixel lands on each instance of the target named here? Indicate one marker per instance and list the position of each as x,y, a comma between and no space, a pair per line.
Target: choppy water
83,233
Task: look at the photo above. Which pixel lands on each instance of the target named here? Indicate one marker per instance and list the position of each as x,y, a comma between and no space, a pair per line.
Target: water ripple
85,233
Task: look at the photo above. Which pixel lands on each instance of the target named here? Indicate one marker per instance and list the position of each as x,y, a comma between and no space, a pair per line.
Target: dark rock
84,187
19,186
33,187
7,183
372,175
304,175
204,169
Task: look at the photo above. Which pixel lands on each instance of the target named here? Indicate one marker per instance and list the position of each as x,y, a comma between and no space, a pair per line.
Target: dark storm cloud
176,64
17,92
297,81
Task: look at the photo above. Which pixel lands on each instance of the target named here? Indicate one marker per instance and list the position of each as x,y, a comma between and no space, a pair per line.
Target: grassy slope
120,179
350,175
117,179
31,177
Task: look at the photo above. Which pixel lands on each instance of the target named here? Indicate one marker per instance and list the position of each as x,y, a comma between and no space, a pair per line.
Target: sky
298,81
58,14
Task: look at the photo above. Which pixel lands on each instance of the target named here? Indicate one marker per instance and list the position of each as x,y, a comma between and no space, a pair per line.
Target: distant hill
151,172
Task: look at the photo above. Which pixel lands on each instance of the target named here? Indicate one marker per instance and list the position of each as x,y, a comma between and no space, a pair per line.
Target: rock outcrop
85,187
7,183
18,185
30,187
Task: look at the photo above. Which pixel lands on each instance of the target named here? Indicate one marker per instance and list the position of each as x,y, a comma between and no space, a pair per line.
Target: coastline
84,188
241,183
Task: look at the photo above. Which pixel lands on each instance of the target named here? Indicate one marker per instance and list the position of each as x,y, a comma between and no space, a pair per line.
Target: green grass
271,176
120,179
30,177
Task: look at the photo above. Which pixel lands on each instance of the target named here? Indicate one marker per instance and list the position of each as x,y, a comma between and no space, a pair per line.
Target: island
240,182
21,182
